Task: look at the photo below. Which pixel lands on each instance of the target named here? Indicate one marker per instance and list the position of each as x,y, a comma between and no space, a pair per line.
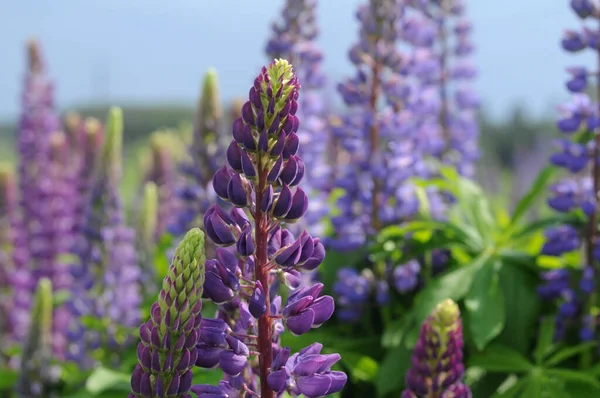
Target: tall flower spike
107,271
145,238
37,377
380,141
8,233
294,38
37,122
206,152
167,351
572,290
437,360
261,184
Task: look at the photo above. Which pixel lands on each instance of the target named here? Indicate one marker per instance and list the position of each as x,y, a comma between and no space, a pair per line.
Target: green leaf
8,378
545,344
533,386
573,376
452,285
497,358
394,333
513,390
594,370
539,225
521,303
103,379
390,378
569,352
362,367
538,188
485,305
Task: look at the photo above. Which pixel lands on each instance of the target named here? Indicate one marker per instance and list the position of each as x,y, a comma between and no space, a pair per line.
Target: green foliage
494,276
541,376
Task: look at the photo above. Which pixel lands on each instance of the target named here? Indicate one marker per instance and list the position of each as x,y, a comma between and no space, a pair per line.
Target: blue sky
123,51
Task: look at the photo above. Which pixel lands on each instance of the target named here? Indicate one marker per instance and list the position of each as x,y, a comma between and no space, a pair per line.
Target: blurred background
148,56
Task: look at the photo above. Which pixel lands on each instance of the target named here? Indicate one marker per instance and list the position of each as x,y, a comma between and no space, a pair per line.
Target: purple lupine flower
406,276
56,234
207,151
571,289
46,192
352,294
256,254
8,233
429,112
37,122
437,362
294,38
446,32
167,351
560,240
107,270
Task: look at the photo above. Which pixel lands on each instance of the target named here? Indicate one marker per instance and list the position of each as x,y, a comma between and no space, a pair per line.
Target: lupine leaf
485,305
569,352
538,189
513,390
522,305
544,342
103,379
394,366
497,358
573,376
395,331
8,378
452,285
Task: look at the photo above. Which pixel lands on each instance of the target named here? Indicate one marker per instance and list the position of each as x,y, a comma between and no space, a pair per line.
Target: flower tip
446,313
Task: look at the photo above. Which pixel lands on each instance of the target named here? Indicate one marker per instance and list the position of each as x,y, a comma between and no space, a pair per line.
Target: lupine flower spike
261,183
107,271
573,290
8,205
167,351
437,362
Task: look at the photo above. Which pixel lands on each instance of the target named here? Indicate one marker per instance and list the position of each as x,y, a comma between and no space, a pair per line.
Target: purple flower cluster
8,207
261,183
572,289
207,151
107,270
294,38
402,119
46,220
437,362
355,291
